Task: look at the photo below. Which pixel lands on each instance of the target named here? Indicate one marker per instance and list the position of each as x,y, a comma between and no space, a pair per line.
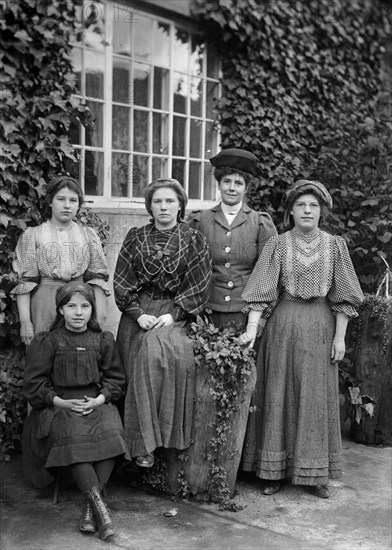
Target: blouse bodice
59,253
175,261
64,359
306,267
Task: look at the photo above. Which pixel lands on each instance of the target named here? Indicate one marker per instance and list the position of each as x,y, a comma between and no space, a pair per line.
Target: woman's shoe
101,513
145,461
272,488
87,523
321,491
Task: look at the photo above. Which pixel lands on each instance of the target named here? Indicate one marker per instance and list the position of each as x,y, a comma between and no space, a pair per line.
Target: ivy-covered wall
305,88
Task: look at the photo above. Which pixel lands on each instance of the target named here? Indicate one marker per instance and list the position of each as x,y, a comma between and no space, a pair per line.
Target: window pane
209,184
120,174
75,129
140,175
120,128
122,20
140,83
93,173
122,88
160,142
140,128
211,140
159,168
194,191
94,135
161,43
94,64
161,88
197,56
94,23
142,41
212,62
195,138
77,68
178,170
196,96
181,50
180,88
179,126
212,97
74,167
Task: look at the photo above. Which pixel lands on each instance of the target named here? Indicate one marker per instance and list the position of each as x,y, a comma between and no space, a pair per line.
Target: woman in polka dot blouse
304,283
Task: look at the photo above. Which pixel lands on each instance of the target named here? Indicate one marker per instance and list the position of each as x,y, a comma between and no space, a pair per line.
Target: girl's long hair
92,323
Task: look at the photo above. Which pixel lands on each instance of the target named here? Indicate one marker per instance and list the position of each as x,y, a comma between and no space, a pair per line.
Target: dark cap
74,286
238,159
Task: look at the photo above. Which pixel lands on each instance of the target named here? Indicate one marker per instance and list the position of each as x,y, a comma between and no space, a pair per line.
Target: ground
357,516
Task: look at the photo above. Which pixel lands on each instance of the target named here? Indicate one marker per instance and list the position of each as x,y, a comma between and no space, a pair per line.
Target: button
227,249
227,298
228,233
227,265
230,284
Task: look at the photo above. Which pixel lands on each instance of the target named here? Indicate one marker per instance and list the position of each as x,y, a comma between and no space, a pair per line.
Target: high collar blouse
59,253
306,267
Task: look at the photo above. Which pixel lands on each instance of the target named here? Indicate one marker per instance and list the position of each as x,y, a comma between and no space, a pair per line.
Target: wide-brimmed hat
301,187
238,159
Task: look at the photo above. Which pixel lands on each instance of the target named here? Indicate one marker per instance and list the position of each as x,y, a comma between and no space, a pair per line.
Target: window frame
107,200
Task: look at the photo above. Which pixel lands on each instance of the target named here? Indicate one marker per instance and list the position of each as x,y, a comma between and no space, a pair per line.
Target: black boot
87,523
101,512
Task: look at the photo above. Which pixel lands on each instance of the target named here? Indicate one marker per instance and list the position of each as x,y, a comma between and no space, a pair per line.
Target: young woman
162,279
235,233
304,283
73,373
57,251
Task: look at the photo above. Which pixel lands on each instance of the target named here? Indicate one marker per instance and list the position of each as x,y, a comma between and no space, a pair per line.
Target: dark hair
92,323
169,183
288,221
223,171
54,187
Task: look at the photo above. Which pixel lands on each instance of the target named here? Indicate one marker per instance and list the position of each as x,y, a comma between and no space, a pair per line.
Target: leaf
369,407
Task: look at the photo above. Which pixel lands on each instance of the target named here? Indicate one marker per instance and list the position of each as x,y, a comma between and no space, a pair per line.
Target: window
151,86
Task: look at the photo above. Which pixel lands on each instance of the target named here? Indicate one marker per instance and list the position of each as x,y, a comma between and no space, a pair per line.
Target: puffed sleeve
112,372
25,264
345,294
194,291
97,272
37,383
267,230
125,280
262,288
194,219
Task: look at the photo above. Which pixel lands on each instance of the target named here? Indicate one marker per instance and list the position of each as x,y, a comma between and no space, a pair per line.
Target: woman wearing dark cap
162,279
236,235
295,431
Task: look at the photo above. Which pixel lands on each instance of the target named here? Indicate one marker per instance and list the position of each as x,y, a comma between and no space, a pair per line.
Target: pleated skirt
160,367
295,431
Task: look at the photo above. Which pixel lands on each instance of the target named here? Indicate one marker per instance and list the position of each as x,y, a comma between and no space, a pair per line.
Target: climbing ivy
305,88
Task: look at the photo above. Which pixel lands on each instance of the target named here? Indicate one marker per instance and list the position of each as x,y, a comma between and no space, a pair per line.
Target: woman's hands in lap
148,322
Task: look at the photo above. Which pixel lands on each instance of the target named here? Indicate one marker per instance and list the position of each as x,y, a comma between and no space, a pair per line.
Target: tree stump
192,465
373,364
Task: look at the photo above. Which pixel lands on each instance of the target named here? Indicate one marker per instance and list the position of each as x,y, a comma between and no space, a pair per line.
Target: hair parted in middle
64,295
166,183
56,185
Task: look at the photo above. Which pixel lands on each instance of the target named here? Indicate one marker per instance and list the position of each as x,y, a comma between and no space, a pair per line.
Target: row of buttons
230,284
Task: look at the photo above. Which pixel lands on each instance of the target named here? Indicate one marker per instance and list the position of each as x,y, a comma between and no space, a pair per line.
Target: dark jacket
234,250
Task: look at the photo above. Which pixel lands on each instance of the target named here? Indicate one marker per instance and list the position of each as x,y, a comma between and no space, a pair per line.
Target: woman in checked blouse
161,280
53,253
304,283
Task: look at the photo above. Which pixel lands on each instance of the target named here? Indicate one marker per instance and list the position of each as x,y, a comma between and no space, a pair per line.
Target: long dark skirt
160,368
295,431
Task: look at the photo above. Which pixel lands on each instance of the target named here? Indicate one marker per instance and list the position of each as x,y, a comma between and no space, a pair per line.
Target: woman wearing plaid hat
304,283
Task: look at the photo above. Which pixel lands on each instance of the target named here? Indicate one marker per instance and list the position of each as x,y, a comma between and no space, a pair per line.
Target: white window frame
108,201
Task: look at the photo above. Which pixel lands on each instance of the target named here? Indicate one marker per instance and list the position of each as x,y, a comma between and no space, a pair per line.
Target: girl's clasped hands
81,407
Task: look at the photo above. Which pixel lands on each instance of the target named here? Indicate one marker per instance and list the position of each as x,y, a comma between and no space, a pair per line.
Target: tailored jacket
234,250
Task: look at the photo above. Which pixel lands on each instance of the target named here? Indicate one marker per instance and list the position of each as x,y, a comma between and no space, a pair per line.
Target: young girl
72,375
